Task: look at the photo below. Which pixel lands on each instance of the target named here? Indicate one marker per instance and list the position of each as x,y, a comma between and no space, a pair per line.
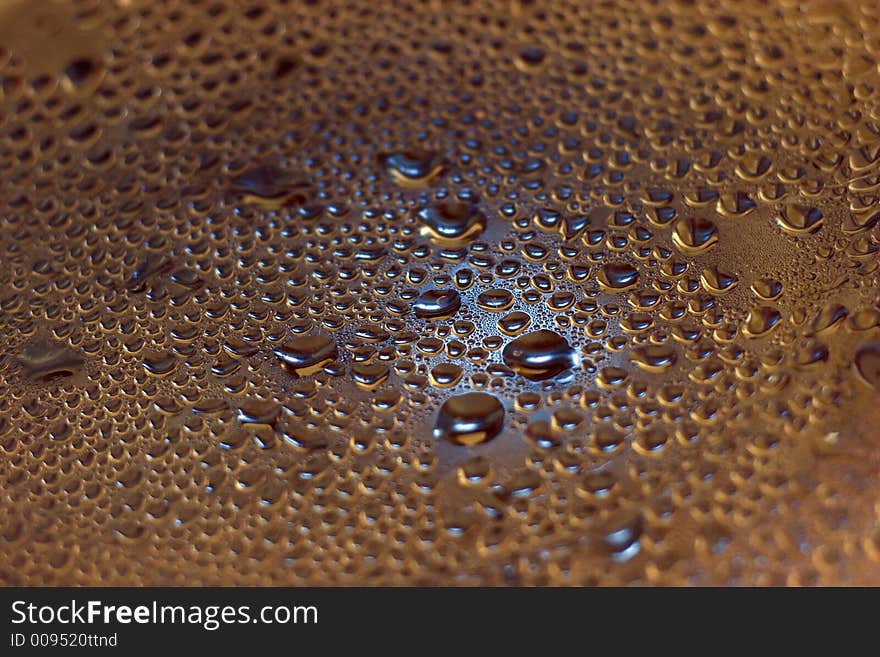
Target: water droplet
514,323
767,289
799,219
654,358
258,412
413,168
82,71
618,277
369,375
621,534
760,321
269,183
452,223
159,363
495,300
470,419
306,354
867,364
446,375
539,355
437,304
695,235
531,56
45,361
716,281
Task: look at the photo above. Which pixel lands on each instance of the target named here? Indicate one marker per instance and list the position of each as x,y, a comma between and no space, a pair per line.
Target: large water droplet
445,375
760,321
654,358
539,355
514,323
437,304
716,281
695,235
369,375
800,219
618,277
452,223
867,364
412,168
495,301
306,354
767,289
470,419
47,361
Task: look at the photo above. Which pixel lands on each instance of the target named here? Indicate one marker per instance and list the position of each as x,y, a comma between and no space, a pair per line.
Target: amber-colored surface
272,277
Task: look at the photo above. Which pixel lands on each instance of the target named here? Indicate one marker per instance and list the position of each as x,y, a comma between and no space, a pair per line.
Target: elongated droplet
269,182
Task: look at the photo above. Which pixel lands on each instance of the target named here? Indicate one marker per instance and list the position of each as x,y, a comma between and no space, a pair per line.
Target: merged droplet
470,419
539,355
306,354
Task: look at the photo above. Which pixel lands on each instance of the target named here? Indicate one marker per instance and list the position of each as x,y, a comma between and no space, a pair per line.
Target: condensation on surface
479,293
